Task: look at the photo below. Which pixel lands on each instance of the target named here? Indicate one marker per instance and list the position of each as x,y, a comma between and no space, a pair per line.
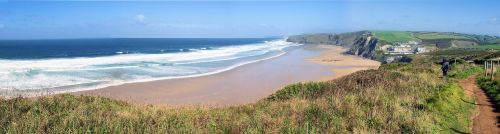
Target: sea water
68,65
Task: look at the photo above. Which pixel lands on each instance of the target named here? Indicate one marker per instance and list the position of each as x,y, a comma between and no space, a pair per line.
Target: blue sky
212,19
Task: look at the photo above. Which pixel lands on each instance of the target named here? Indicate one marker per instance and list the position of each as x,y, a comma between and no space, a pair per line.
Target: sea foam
85,73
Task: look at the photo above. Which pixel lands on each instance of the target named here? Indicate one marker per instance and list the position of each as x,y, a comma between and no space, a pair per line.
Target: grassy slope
394,36
492,46
436,35
390,37
474,55
395,98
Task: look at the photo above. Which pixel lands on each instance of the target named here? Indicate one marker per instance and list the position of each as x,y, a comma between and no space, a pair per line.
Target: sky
240,19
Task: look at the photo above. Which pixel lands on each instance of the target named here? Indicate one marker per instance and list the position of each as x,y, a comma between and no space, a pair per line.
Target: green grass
464,72
397,98
436,35
491,87
492,46
450,110
394,36
475,54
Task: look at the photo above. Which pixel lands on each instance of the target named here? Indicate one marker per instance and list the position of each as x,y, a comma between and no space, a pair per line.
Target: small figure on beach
445,66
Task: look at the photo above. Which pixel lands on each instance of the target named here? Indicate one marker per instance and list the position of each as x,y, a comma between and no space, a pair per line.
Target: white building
401,49
420,50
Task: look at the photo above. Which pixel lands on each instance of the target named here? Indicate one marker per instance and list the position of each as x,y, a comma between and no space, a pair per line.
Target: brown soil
486,117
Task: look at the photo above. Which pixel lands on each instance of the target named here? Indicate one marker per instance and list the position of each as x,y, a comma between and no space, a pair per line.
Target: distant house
401,49
420,50
404,48
389,59
412,42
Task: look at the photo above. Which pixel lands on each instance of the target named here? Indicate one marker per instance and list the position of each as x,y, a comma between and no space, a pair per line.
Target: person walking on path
445,67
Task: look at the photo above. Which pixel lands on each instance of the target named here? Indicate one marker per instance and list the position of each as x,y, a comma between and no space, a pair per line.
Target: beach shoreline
347,64
244,84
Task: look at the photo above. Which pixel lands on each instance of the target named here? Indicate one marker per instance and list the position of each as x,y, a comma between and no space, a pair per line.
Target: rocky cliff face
364,46
360,43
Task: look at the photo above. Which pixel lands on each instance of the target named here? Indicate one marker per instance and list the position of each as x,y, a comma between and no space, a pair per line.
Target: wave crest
85,73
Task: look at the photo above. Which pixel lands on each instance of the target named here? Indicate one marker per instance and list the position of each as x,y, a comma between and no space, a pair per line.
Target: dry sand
245,84
345,64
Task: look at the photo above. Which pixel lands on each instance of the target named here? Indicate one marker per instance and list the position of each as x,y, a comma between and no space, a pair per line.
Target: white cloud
494,19
140,18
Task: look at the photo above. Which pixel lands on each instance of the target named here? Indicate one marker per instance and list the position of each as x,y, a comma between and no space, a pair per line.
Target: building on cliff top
404,48
401,49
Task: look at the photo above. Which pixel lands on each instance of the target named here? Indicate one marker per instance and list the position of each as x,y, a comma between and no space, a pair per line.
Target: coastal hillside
226,67
383,45
396,98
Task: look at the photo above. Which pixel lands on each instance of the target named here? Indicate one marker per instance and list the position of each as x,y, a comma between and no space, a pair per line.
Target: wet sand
244,84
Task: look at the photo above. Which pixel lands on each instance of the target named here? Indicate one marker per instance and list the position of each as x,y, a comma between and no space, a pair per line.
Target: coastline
244,84
346,64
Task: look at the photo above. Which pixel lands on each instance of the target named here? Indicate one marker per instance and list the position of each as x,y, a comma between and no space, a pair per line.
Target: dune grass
397,98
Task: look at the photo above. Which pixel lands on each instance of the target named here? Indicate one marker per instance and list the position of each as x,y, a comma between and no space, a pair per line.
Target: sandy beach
344,64
245,84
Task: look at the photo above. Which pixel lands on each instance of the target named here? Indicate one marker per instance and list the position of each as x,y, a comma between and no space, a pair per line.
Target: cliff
365,43
360,43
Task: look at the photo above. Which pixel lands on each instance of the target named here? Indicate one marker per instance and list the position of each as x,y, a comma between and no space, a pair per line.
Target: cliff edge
361,43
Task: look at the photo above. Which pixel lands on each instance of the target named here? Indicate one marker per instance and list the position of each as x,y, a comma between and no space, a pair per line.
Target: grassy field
492,46
435,35
394,36
476,54
397,98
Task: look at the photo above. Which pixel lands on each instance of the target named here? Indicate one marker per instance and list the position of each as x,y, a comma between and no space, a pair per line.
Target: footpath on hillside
486,118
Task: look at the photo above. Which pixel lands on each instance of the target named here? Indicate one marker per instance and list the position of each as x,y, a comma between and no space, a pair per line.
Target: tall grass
397,98
462,72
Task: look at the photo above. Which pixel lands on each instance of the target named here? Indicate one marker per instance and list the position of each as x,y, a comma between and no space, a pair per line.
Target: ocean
69,65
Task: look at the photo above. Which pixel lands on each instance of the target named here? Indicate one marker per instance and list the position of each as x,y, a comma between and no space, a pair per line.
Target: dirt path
486,119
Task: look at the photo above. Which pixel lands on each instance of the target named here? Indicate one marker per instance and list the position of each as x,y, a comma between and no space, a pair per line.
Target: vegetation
394,36
476,54
362,43
397,98
438,35
491,46
491,87
323,38
486,39
447,39
343,39
464,72
357,41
